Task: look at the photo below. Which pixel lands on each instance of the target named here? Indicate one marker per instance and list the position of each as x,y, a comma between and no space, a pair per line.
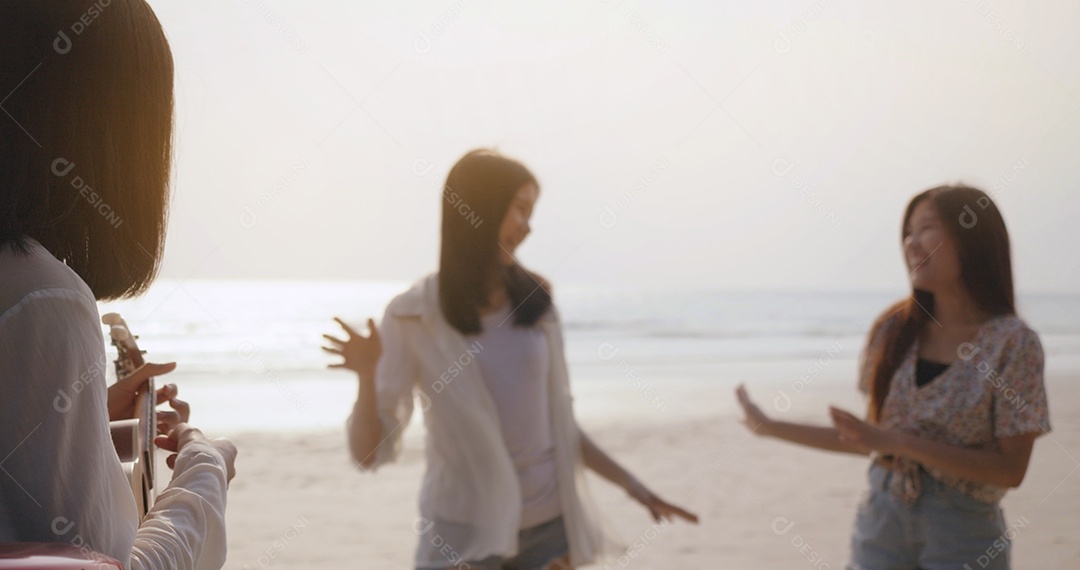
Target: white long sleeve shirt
60,478
471,500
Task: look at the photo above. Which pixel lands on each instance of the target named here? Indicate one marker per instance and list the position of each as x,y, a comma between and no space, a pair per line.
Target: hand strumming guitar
182,434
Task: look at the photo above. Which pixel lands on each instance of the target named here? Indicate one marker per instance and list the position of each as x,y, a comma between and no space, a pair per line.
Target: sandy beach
278,196
299,503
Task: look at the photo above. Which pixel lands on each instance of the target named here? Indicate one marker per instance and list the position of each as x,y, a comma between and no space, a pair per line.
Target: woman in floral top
954,381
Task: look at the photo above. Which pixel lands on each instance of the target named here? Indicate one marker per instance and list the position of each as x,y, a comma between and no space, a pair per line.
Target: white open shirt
60,478
470,499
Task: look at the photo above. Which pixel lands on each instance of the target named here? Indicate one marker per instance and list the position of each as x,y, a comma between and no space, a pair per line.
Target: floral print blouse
995,389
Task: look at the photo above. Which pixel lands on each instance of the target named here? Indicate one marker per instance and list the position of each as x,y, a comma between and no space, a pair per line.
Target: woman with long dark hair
954,381
480,345
86,90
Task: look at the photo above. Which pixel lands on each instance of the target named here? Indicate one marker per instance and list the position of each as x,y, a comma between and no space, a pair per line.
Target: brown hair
477,195
973,220
86,137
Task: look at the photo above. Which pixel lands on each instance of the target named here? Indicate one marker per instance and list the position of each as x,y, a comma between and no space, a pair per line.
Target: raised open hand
360,352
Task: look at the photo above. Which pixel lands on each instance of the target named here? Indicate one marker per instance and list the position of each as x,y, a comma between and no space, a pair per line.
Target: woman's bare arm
819,437
600,462
1004,466
361,354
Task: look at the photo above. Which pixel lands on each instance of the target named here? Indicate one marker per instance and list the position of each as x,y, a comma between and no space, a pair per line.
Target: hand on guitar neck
137,426
123,393
173,431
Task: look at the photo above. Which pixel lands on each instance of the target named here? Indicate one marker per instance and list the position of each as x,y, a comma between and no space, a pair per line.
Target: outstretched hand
360,353
658,508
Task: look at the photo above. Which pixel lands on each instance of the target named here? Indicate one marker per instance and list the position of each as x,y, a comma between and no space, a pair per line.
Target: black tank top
927,370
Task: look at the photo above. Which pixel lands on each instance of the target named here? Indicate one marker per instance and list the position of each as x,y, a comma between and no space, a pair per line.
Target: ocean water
250,360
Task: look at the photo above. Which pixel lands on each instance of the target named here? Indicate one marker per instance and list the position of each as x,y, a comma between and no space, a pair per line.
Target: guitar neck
134,438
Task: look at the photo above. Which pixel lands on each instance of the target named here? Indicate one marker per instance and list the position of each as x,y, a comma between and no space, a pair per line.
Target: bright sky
678,144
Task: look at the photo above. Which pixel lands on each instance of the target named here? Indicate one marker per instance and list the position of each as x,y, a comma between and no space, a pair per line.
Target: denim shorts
538,546
944,529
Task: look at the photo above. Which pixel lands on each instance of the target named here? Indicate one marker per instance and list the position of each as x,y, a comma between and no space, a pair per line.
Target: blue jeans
944,529
538,546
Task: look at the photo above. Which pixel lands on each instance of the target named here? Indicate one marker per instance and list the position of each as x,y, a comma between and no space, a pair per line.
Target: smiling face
930,251
515,225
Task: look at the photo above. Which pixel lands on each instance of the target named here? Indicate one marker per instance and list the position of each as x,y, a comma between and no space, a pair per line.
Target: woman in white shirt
85,143
480,345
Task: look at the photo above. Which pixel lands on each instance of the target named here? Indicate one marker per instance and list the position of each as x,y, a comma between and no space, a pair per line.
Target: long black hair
86,137
973,220
476,197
